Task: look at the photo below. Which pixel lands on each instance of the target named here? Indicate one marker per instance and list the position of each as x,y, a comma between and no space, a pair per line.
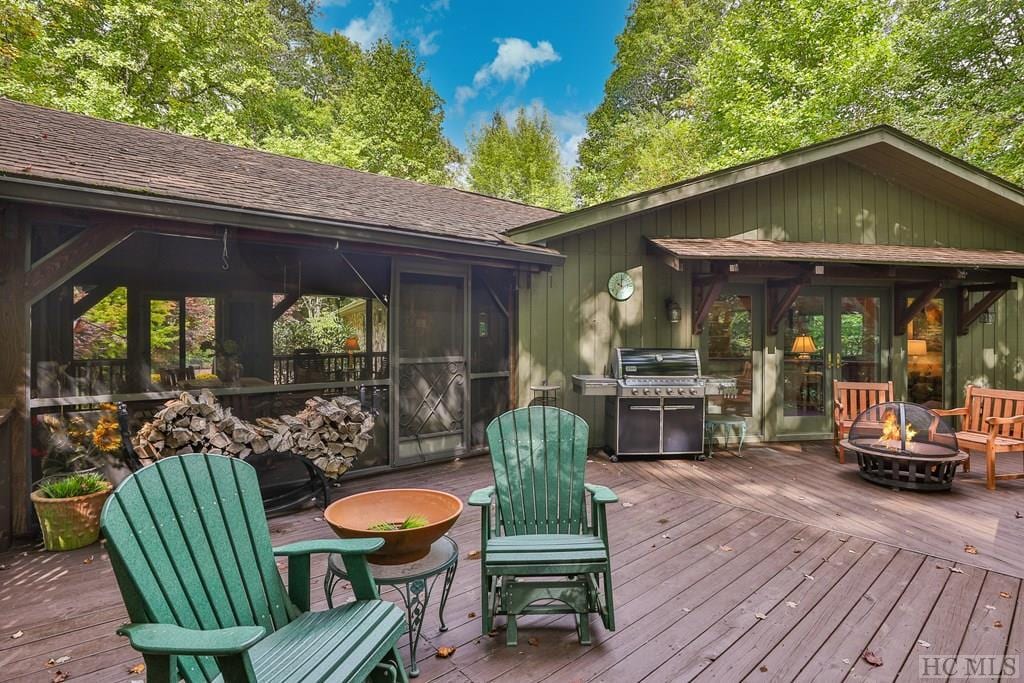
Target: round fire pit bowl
352,517
905,446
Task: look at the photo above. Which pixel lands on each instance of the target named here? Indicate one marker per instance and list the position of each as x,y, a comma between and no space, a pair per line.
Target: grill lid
631,362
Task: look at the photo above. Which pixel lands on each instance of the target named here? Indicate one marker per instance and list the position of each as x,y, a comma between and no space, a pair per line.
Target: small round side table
545,394
727,422
414,581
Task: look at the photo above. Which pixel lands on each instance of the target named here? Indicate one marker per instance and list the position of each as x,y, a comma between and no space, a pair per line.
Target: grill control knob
693,392
668,391
636,391
646,391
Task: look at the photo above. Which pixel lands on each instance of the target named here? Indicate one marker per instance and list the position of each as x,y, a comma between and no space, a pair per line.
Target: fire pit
905,446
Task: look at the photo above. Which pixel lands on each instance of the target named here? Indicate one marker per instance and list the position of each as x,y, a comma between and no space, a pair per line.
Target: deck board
701,552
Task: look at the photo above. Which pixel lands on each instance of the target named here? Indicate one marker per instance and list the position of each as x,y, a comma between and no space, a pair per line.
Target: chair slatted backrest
190,546
983,403
539,455
856,397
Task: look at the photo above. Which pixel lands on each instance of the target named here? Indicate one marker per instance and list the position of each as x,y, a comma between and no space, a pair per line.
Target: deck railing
98,376
330,367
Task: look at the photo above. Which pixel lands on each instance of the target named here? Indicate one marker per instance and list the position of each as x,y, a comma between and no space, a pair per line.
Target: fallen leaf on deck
535,642
725,548
17,634
59,660
472,554
493,632
665,536
924,643
997,623
797,538
843,540
60,676
1004,594
792,604
970,549
89,559
808,577
137,669
845,660
687,609
444,652
1017,514
956,570
760,615
663,521
626,505
871,658
763,668
990,607
471,615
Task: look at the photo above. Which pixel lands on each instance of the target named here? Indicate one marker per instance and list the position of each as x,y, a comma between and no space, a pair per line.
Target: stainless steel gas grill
655,401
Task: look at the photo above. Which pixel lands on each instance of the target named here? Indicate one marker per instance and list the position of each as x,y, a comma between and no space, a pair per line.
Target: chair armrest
339,546
601,494
482,497
168,639
950,412
353,552
995,421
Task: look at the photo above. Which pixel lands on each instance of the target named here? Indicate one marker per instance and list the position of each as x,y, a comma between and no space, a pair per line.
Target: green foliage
519,162
249,72
74,485
314,322
700,85
410,522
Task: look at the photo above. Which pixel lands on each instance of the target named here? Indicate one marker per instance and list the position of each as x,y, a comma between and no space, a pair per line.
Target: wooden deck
780,565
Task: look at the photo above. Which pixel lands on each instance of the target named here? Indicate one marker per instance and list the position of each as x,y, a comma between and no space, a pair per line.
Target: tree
248,72
519,162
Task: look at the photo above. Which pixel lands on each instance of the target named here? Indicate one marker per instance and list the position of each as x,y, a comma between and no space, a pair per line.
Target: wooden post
15,475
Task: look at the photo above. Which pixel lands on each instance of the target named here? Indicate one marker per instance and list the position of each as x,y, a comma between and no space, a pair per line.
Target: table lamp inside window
804,346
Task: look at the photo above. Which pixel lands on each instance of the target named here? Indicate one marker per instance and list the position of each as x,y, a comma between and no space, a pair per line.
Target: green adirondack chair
190,547
542,555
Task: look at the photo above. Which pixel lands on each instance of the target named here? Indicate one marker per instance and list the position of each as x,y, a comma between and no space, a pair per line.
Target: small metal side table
728,423
414,581
545,394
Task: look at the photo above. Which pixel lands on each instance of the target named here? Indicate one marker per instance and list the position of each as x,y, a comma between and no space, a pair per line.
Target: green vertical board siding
569,324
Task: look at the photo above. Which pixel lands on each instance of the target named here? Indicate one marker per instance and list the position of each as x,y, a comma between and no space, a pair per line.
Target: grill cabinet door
683,430
639,426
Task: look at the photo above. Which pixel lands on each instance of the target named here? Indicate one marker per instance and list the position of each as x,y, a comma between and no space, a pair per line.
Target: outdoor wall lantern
988,317
673,310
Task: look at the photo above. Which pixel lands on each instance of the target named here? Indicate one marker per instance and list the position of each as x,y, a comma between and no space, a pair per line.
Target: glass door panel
804,350
859,350
732,347
926,345
431,365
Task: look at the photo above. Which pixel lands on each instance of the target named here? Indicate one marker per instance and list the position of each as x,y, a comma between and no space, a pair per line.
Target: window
730,350
926,355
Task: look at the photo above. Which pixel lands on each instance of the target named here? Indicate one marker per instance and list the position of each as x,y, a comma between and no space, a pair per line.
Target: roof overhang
882,150
73,196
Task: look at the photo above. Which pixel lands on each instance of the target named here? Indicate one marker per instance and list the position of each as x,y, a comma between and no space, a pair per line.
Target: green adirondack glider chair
542,555
190,547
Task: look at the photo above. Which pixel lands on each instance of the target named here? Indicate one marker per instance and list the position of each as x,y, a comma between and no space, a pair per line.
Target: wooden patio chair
190,548
850,399
993,424
541,547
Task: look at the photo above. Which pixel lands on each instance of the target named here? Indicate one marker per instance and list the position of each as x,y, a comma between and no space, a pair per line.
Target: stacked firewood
330,432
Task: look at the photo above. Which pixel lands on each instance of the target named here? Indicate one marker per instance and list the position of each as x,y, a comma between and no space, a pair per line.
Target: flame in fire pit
891,428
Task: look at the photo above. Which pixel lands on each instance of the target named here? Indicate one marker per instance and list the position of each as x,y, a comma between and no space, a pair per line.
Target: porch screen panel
730,351
489,332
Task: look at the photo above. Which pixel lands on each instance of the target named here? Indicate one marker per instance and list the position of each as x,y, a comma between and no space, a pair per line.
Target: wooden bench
992,421
850,399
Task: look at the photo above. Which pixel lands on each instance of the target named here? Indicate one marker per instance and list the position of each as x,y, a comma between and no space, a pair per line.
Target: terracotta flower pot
70,523
352,517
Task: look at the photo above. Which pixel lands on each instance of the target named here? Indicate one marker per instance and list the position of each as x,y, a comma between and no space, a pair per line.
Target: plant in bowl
68,508
409,520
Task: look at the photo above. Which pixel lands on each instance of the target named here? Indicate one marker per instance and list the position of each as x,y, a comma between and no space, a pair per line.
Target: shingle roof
71,148
827,252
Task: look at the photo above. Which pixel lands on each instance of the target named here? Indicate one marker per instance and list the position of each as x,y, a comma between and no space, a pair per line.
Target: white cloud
333,3
365,31
436,6
426,43
515,61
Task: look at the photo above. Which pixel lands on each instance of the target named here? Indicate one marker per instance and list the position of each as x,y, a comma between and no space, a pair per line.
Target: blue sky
483,56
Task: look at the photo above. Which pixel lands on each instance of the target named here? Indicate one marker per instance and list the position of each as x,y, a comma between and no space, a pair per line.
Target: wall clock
621,286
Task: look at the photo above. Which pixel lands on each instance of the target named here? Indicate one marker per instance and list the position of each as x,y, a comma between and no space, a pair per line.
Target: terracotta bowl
352,517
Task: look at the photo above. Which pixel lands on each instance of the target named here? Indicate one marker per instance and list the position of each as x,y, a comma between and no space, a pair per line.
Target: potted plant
82,453
68,508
